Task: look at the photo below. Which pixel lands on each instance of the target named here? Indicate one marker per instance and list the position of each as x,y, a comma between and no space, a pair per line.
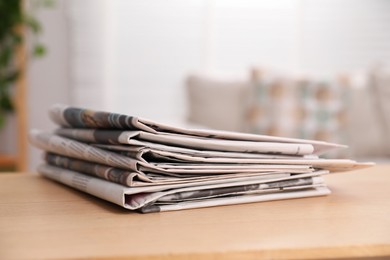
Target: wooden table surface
41,219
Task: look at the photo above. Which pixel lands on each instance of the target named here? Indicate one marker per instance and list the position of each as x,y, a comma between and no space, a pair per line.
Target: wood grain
42,219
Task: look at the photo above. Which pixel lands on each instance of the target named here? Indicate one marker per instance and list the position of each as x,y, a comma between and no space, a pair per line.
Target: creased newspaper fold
71,148
159,198
137,179
74,117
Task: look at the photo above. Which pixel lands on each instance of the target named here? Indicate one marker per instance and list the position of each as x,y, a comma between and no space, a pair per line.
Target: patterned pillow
309,109
216,103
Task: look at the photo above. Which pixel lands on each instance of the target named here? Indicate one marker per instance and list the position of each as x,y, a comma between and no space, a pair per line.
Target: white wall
344,35
88,52
156,44
133,56
48,78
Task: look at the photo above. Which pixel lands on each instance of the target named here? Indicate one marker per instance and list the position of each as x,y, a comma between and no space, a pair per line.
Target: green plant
12,19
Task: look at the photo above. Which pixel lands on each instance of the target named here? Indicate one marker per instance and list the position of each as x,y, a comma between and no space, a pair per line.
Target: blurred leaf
13,16
17,38
6,54
33,23
49,3
11,77
5,101
39,50
2,119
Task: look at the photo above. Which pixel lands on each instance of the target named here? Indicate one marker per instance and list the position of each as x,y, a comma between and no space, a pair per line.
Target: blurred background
313,69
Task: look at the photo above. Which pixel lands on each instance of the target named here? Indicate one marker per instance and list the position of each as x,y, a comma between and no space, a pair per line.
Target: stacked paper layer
147,166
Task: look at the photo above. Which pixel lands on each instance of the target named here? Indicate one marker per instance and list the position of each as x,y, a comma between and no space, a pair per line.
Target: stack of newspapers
150,167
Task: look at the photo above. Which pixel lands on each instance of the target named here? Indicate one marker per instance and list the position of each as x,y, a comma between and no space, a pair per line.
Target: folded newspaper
151,167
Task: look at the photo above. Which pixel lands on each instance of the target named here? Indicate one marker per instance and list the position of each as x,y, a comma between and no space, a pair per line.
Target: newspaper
71,148
165,198
73,117
138,163
213,144
148,154
151,167
138,179
135,145
274,149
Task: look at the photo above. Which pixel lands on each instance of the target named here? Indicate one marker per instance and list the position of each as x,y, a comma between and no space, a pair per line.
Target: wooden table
41,219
